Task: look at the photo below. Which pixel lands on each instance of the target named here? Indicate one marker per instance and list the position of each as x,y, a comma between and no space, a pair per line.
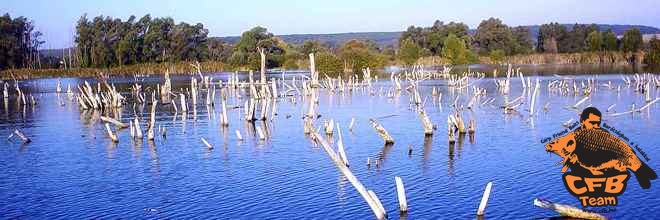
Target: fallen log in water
370,198
20,135
208,146
401,194
484,199
566,210
340,147
114,122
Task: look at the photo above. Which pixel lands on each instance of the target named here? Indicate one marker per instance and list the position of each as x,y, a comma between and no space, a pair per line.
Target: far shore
577,63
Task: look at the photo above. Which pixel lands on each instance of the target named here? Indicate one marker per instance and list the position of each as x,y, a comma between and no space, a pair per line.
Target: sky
57,19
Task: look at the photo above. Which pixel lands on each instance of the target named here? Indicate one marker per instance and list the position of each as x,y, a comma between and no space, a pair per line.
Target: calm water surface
72,170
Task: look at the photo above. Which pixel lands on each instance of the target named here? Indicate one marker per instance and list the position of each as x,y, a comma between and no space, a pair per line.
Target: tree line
106,42
19,43
103,42
496,40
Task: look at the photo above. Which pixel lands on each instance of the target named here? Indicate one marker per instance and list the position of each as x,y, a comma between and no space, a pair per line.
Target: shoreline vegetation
153,45
186,68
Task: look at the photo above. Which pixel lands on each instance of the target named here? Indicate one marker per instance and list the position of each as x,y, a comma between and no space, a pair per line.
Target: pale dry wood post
263,66
328,127
382,132
350,126
138,129
368,196
274,88
5,92
377,200
426,122
130,124
224,118
184,106
567,210
459,123
340,147
114,121
484,199
471,126
251,78
450,130
113,137
22,136
208,146
152,121
312,70
401,194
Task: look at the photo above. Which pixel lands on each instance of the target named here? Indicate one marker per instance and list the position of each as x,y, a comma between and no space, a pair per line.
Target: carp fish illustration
599,152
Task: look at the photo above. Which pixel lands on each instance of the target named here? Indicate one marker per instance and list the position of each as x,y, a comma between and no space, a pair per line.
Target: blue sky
56,19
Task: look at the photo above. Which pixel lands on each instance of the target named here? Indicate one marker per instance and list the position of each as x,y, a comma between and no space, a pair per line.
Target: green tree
549,37
595,41
328,63
409,52
523,40
497,56
359,55
432,38
19,43
632,40
455,50
609,40
575,40
246,50
653,56
492,35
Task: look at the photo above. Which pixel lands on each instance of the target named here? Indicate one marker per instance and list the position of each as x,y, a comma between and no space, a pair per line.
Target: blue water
72,170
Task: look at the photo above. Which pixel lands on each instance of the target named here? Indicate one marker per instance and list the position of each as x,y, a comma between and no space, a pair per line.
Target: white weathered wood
382,132
263,65
426,123
138,129
340,147
113,137
373,204
224,119
22,136
114,122
329,125
377,200
484,199
152,121
401,194
350,126
208,146
184,106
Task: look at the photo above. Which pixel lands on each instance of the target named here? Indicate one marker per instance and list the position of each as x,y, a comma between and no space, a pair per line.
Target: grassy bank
145,68
547,58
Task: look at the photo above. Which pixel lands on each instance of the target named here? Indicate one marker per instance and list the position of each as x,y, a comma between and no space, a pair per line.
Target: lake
72,170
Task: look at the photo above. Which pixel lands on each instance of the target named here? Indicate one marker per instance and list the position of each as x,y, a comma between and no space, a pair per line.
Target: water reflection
428,140
450,161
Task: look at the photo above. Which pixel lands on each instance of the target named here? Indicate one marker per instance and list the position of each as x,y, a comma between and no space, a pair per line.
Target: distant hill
392,38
